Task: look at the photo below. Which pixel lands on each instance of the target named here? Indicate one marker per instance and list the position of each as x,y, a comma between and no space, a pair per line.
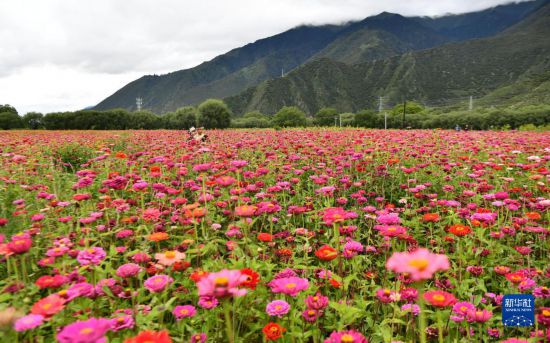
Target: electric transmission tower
139,103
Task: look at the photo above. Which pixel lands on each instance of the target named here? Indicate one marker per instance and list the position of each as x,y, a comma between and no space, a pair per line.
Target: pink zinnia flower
28,322
93,255
128,270
463,307
346,337
317,301
185,311
224,283
157,283
277,308
90,331
122,322
208,302
478,316
168,258
291,285
391,230
420,264
388,219
336,215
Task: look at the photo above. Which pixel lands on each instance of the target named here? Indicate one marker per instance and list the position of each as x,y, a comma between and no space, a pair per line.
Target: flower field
290,236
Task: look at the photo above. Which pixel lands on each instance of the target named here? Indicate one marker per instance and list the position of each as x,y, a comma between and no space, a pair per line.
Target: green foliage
290,116
325,116
411,107
253,119
183,119
8,108
33,120
214,114
366,118
72,155
10,120
347,119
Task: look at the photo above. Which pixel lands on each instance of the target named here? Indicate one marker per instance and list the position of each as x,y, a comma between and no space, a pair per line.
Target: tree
325,116
8,108
183,118
214,114
410,108
347,119
290,116
366,118
144,120
10,120
33,121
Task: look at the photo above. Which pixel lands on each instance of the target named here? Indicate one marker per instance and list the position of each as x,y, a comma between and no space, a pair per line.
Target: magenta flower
412,308
198,338
316,302
28,322
345,337
310,315
157,283
224,283
122,322
420,264
208,302
277,308
291,285
463,307
185,311
90,331
128,270
93,255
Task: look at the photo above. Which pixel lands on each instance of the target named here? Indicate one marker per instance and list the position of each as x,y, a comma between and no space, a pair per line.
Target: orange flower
273,331
439,298
158,236
533,215
430,217
326,253
150,336
120,155
194,211
245,210
154,169
460,230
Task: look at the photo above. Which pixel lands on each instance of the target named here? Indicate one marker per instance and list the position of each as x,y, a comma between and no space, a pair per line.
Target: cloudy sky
67,54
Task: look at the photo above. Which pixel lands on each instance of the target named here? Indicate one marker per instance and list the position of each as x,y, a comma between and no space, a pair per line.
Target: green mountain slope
373,38
449,71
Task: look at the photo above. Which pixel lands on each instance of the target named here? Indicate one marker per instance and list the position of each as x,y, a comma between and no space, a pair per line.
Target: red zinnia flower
460,230
150,336
430,217
273,331
326,253
252,278
265,237
439,298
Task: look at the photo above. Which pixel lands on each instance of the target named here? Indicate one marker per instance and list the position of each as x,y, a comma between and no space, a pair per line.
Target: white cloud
66,54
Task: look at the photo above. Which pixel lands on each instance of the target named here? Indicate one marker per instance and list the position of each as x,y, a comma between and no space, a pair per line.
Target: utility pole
335,119
282,72
385,120
471,107
340,116
404,109
380,99
139,103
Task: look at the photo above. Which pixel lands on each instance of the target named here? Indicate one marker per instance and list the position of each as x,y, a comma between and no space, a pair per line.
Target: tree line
214,114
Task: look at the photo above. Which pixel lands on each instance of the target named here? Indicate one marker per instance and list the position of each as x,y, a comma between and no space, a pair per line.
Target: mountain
238,69
373,38
454,70
483,23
